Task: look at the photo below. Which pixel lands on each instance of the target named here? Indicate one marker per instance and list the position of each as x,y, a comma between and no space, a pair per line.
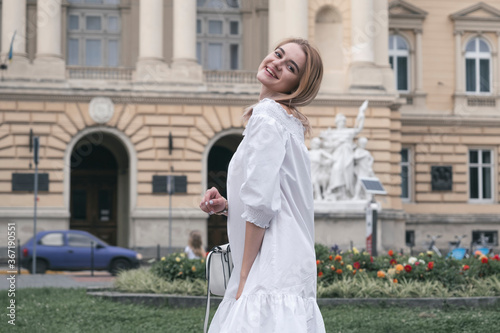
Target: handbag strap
207,312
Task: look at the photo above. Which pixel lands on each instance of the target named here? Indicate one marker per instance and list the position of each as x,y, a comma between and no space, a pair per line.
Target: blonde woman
194,249
270,204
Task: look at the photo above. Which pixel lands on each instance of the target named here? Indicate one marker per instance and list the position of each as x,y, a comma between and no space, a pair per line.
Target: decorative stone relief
101,109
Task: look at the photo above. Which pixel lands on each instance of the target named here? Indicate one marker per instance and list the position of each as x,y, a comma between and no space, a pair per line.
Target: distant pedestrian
194,249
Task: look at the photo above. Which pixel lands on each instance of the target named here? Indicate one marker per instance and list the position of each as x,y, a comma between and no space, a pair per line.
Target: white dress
269,184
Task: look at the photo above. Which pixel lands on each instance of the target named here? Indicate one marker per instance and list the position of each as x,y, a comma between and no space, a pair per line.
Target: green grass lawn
57,310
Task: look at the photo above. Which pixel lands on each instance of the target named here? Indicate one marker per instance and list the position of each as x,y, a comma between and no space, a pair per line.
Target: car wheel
41,266
119,265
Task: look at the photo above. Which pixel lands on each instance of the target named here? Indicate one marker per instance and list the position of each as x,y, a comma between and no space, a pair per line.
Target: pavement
83,279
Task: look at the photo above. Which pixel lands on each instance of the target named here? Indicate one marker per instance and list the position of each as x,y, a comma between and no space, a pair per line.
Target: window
79,240
480,175
94,31
399,59
219,35
405,174
410,238
485,238
53,239
477,66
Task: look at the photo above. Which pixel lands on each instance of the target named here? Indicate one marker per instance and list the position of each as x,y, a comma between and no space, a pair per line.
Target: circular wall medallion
101,109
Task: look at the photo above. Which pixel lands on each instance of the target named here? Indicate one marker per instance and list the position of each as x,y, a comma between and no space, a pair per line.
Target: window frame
477,55
105,11
408,164
395,53
204,38
480,165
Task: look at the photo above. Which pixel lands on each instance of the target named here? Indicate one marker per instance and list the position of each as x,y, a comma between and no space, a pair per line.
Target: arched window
399,58
477,66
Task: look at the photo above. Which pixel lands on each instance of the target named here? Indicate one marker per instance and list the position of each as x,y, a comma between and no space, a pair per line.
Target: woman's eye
291,68
277,54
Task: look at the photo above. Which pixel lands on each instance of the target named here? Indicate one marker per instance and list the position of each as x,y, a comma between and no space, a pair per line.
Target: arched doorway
99,187
219,157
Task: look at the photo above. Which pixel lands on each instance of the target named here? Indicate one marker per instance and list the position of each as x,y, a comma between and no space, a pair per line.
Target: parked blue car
70,250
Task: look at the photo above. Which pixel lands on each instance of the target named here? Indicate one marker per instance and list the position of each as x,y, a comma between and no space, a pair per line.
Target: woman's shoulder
270,109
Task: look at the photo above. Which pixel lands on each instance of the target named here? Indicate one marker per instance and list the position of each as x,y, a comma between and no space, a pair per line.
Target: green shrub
178,267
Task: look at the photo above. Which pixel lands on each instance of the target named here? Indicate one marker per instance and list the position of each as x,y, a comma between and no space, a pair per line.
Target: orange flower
380,274
354,272
330,257
320,274
332,267
390,253
339,271
399,267
430,265
318,262
484,260
342,263
395,280
465,267
338,258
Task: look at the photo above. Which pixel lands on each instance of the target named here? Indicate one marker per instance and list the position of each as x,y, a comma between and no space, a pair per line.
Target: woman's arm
253,241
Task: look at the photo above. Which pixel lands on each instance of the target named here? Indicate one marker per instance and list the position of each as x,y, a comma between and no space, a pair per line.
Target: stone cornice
452,219
448,120
186,98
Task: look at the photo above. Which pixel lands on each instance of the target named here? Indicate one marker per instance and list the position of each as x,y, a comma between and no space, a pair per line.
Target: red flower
408,268
484,260
330,257
339,271
496,257
466,267
320,274
417,263
393,262
371,259
318,262
430,265
338,258
390,253
356,265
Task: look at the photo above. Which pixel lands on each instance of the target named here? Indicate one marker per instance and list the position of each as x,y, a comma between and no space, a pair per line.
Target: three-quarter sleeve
264,155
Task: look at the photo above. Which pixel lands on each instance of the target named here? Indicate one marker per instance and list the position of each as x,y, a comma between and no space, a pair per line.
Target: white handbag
218,271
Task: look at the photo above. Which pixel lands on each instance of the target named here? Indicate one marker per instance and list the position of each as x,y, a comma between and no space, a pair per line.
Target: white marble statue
321,163
363,163
340,144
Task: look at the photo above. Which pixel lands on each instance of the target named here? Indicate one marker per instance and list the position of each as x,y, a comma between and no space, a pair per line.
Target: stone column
48,62
381,43
459,64
497,56
418,62
151,66
363,73
14,20
185,66
287,18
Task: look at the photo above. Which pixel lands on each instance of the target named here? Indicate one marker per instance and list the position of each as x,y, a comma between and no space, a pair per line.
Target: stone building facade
120,91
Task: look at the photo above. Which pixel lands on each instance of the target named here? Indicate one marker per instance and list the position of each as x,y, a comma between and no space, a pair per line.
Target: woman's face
282,69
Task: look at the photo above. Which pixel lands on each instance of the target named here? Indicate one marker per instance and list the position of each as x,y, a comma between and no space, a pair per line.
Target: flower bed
336,265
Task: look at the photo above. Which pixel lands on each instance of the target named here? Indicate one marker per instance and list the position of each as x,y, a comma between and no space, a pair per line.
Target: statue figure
340,144
321,162
363,162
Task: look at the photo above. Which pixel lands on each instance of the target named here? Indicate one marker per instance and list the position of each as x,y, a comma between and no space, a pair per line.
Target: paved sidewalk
61,280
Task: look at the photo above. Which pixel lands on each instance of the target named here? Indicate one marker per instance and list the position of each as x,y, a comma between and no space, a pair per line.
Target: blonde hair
195,243
309,83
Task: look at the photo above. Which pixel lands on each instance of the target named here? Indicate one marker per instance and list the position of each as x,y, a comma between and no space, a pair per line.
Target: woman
194,249
270,204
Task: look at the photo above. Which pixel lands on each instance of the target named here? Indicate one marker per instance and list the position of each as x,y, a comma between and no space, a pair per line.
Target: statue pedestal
343,223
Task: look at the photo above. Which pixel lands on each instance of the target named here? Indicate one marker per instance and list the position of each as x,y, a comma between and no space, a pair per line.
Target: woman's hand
212,202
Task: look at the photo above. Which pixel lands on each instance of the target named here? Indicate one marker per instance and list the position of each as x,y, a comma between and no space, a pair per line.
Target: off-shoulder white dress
269,184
